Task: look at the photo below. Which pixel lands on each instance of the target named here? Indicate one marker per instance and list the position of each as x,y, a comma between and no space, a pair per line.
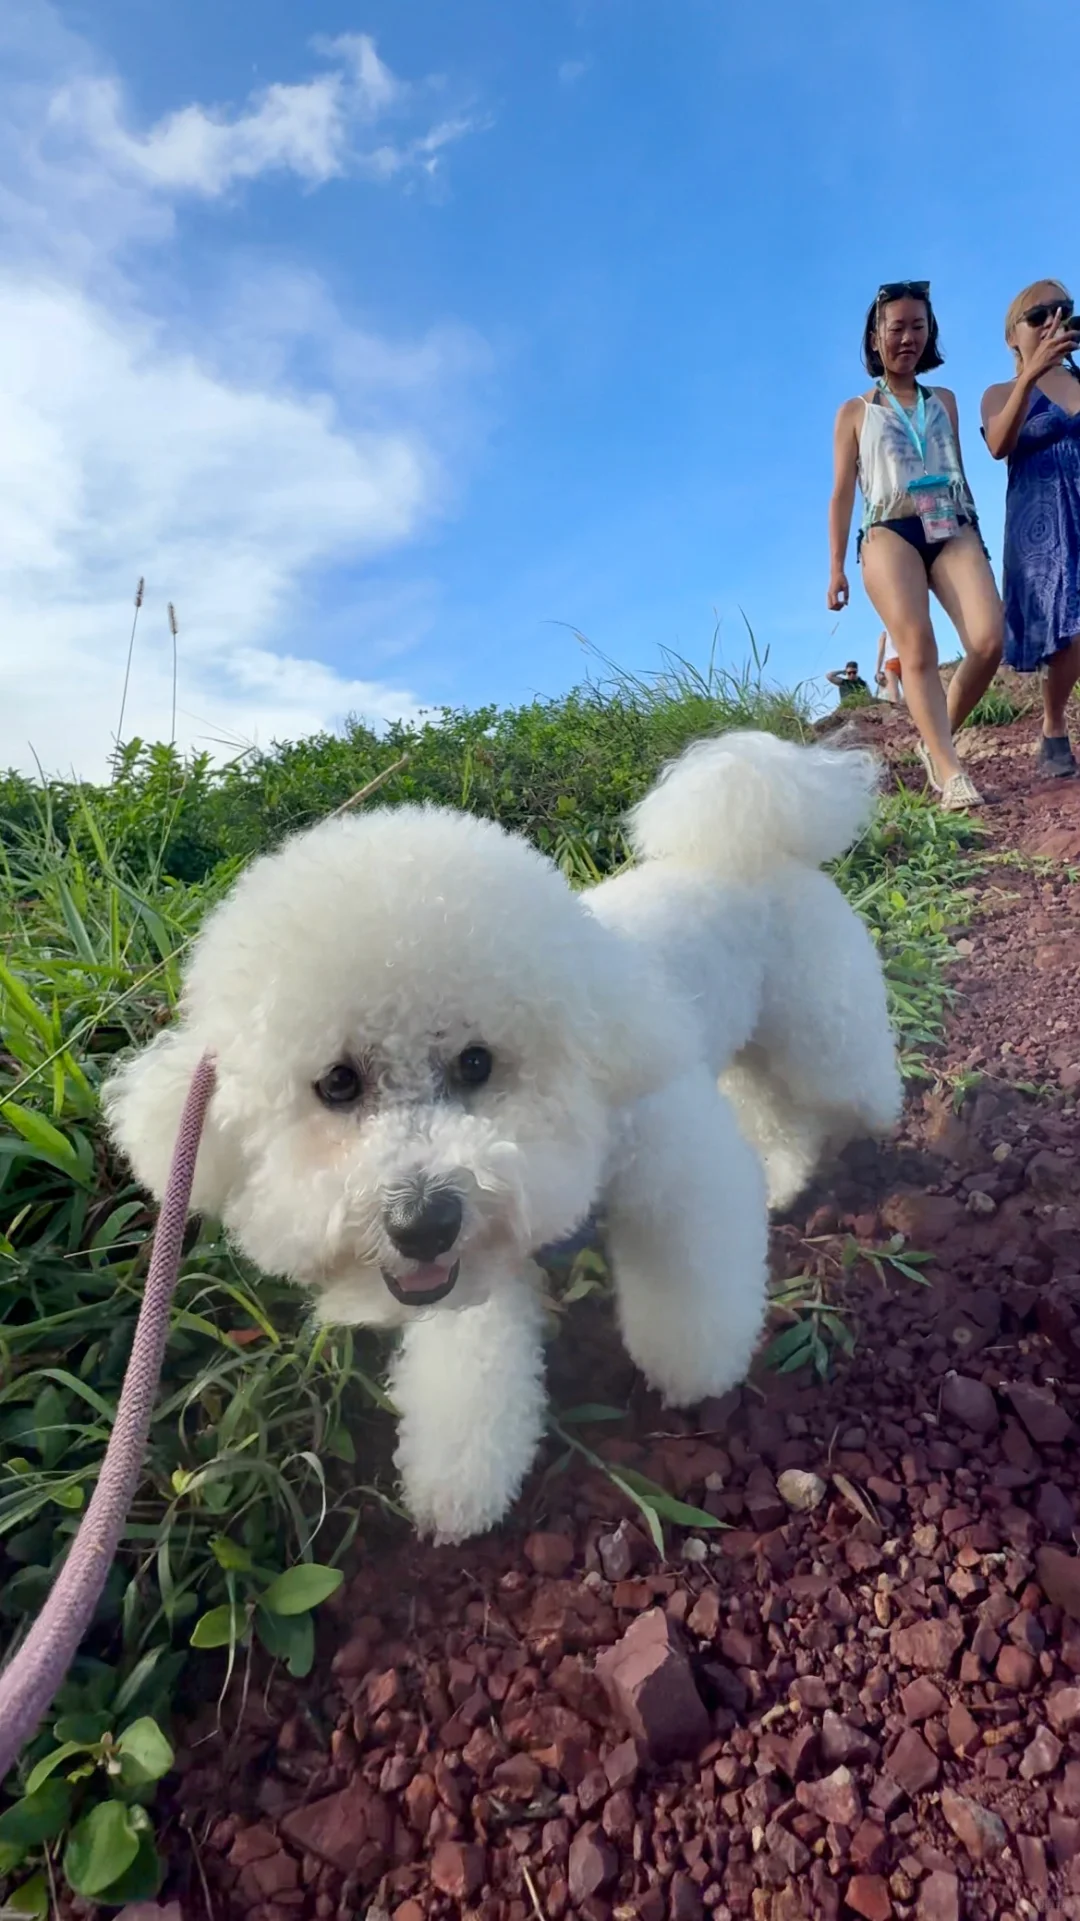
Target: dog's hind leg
469,1387
789,1139
687,1241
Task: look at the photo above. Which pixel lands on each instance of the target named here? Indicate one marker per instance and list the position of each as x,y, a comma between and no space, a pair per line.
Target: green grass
269,1441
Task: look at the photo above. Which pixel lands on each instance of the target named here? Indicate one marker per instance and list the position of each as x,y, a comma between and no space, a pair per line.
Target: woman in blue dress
1033,422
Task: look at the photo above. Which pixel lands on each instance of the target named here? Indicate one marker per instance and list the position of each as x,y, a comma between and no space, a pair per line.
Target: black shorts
911,529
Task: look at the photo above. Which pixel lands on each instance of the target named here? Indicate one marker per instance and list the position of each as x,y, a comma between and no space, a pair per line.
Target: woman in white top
901,442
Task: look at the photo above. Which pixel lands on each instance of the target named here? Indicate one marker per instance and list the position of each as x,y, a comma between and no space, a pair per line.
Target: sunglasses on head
903,290
1038,316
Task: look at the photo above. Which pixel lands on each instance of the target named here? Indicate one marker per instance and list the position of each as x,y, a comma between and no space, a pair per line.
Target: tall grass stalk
127,676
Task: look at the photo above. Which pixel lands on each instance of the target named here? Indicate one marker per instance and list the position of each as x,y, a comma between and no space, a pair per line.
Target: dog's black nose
423,1221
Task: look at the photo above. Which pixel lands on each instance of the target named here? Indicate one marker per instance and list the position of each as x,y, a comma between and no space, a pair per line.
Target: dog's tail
742,803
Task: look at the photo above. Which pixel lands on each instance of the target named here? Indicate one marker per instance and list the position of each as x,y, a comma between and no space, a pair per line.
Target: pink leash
30,1682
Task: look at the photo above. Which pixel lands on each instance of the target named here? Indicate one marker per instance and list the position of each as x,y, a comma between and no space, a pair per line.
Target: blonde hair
1026,299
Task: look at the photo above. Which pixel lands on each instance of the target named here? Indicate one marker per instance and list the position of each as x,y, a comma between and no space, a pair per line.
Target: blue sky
392,342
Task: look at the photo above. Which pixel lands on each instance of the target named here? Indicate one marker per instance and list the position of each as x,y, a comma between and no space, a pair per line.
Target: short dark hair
852,667
931,356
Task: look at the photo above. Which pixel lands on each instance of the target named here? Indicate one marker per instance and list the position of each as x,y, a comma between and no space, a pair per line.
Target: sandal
959,793
928,766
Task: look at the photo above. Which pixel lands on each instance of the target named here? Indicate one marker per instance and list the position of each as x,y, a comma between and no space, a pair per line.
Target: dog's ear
143,1101
644,1036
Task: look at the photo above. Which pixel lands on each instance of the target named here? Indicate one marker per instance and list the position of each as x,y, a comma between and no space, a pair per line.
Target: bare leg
895,580
962,580
1062,674
892,688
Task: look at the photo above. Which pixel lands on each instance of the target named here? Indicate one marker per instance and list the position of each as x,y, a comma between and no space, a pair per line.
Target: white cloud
314,128
572,71
240,461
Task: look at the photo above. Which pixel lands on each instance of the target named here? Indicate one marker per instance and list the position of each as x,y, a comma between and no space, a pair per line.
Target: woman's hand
839,591
1054,344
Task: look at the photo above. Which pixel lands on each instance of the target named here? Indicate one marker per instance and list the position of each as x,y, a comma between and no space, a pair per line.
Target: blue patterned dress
1042,537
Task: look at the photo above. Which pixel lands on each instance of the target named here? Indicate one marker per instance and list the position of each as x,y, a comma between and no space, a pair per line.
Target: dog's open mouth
426,1284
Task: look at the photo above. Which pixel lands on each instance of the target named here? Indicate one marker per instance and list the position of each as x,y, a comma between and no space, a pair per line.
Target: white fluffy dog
433,1058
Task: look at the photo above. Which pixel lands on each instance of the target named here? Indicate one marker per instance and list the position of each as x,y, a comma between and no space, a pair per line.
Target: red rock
969,1402
923,1218
593,1864
421,1798
1016,1668
886,1795
931,1646
841,1742
789,1854
253,1844
619,1818
550,1554
869,1849
912,1763
622,1766
975,1827
704,1617
274,1874
1053,1177
921,1699
518,1777
350,1827
384,1691
1063,1709
684,1901
1067,1793
868,1895
1064,1839
1055,1512
1059,1577
939,1897
1041,1756
834,1799
648,1679
963,1730
1033,1860
352,1660
1047,1423
457,1869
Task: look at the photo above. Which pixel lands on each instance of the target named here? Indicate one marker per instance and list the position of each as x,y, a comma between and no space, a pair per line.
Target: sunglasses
1038,316
903,290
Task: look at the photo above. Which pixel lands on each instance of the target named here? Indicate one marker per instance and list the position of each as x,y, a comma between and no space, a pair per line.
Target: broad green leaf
230,1554
50,1762
143,1879
301,1588
85,1728
145,1755
32,1899
38,1817
218,1628
101,1847
289,1638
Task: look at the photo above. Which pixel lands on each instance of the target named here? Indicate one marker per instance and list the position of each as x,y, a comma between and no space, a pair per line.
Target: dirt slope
877,1699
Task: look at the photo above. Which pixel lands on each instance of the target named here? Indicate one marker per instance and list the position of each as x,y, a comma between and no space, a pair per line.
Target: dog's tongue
423,1279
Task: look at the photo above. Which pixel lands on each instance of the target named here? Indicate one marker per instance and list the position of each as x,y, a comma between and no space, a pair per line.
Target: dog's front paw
456,1496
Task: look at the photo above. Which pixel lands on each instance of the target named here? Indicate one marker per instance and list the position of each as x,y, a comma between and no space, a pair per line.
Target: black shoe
1056,760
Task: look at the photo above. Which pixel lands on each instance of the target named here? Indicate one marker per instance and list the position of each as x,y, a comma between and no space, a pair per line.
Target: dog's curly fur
411,1010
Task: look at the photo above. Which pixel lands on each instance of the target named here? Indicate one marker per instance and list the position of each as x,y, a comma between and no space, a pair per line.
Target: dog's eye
473,1066
340,1086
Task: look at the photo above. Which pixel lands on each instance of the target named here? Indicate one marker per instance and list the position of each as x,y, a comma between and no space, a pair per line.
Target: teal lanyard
917,427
